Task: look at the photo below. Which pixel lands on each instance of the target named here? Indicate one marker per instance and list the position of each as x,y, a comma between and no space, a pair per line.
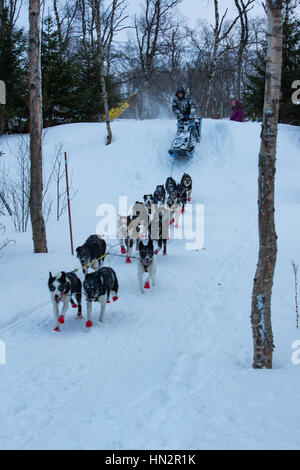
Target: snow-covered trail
171,368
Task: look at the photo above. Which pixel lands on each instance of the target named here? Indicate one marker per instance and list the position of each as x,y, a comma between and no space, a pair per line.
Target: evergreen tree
254,95
89,93
13,71
59,76
70,81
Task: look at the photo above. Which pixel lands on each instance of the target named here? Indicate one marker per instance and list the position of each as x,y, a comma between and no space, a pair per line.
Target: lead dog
62,286
93,249
97,287
146,264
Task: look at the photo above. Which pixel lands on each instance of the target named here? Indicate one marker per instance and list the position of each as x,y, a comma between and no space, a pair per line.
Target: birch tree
97,14
263,281
35,116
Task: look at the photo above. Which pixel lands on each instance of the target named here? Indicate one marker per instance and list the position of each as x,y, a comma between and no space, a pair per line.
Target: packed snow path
171,368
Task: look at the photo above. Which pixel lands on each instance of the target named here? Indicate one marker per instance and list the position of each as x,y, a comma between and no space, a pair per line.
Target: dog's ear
145,197
150,243
51,278
63,277
141,244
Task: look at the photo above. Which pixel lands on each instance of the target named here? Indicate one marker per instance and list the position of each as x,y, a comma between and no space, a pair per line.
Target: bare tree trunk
243,15
35,110
211,78
96,7
219,36
58,24
97,14
263,281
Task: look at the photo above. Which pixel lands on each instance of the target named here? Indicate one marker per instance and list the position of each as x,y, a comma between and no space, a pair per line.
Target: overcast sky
192,10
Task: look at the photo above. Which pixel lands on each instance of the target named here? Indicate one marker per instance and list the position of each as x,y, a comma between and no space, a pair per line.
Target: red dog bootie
89,323
61,320
56,329
147,285
115,298
123,250
128,260
108,301
74,305
156,252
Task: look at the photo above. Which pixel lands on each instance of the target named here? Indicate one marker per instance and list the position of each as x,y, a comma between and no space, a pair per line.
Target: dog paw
189,199
147,285
115,298
56,329
128,260
79,316
123,250
156,252
89,323
176,225
165,254
61,320
74,305
108,301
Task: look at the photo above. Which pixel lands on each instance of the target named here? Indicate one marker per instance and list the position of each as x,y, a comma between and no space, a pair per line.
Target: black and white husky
62,287
171,185
93,249
182,196
146,264
186,182
173,203
159,229
159,195
97,287
148,201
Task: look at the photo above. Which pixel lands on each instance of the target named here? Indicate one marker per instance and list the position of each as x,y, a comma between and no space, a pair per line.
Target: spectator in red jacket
238,111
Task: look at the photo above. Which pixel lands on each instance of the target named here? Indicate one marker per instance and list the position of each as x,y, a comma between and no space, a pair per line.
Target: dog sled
187,135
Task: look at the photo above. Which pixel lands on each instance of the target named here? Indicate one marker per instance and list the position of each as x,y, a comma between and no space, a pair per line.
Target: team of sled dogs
151,220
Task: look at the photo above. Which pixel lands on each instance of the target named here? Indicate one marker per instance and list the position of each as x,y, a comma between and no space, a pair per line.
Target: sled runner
188,133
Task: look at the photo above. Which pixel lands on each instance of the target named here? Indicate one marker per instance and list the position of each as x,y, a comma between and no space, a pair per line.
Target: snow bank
171,368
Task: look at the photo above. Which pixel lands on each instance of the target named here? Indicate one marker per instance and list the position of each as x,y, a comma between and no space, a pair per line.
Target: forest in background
158,52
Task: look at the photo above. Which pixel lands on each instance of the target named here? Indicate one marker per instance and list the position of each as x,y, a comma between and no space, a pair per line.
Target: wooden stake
69,206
